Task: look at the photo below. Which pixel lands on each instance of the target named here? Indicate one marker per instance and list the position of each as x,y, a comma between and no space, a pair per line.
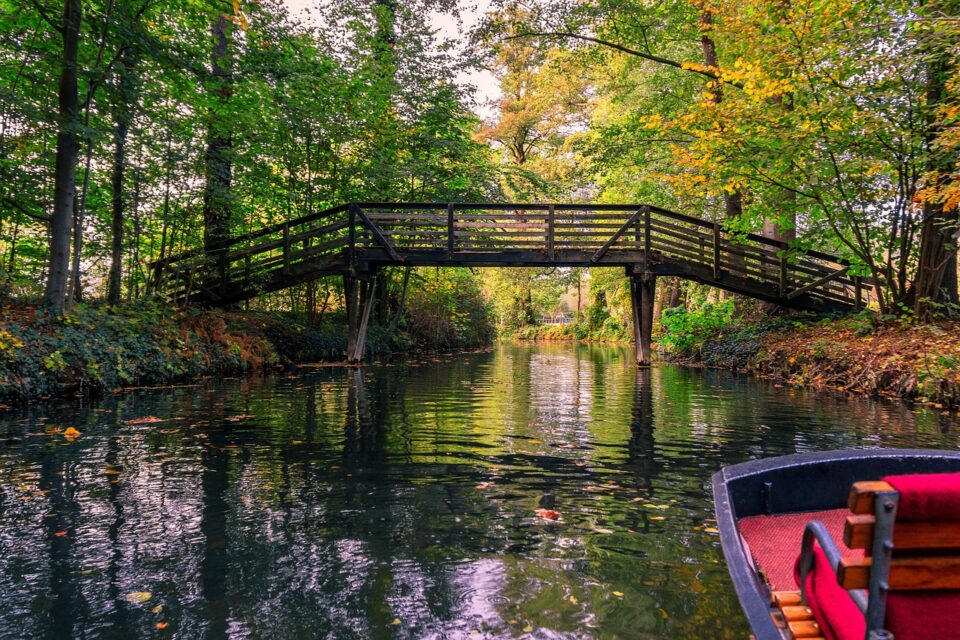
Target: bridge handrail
490,206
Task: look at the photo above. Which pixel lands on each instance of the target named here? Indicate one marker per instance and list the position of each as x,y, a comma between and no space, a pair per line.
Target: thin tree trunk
122,118
66,161
400,304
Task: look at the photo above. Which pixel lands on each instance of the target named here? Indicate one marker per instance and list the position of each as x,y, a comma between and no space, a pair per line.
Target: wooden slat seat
795,617
907,555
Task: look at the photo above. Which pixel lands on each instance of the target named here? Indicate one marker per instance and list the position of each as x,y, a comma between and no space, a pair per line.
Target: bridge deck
360,238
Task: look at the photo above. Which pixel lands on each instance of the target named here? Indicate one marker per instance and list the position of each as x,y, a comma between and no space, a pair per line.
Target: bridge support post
360,296
643,288
350,302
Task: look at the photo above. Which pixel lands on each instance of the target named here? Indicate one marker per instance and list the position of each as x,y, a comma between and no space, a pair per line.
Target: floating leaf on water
658,517
395,621
143,420
60,534
162,625
711,530
484,485
619,594
138,597
70,433
548,514
157,609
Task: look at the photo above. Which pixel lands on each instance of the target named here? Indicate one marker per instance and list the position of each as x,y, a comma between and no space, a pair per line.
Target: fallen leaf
658,517
663,612
60,534
162,625
484,485
619,594
711,530
528,629
138,597
548,514
143,420
70,433
395,621
573,600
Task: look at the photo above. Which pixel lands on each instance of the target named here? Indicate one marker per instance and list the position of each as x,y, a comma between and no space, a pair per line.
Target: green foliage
685,332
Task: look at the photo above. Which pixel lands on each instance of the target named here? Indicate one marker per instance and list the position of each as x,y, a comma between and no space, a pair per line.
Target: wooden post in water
643,289
350,300
367,297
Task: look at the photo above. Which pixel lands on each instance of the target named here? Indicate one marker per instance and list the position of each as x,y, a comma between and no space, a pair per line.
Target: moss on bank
852,354
93,349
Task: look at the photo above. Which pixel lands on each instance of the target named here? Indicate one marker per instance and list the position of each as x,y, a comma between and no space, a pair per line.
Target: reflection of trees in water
349,497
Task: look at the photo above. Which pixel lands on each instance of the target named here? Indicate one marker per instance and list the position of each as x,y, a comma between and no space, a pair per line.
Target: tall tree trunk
65,170
937,246
218,161
122,118
75,293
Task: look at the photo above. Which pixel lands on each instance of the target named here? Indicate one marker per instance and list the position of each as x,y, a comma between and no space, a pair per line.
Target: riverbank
856,354
574,332
99,348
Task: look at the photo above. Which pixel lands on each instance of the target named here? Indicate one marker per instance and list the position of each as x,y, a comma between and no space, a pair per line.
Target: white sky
485,88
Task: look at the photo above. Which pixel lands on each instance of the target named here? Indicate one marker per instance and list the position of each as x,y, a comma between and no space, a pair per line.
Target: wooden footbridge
355,240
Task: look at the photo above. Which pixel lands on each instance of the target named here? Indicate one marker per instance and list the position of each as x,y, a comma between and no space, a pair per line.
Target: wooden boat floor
774,542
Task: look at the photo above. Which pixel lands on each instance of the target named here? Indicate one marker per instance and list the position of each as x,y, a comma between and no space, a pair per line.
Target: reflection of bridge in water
355,241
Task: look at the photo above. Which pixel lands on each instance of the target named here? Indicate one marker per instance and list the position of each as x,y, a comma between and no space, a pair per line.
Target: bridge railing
609,232
337,238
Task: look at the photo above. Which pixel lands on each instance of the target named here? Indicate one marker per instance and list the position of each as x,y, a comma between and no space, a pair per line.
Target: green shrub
685,332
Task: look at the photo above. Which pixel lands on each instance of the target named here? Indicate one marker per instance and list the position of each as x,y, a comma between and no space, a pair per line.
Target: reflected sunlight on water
401,500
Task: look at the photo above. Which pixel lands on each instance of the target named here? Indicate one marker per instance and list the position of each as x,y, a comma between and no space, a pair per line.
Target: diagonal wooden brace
377,233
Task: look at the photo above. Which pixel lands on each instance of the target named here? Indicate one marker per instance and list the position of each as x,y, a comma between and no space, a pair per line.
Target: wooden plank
451,237
716,251
862,495
858,534
550,229
805,629
616,236
375,230
816,283
909,574
786,598
797,612
646,230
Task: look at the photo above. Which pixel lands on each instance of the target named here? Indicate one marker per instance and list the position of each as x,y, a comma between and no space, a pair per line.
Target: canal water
523,492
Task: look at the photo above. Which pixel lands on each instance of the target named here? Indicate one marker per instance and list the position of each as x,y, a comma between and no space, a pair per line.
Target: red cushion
927,496
833,608
923,615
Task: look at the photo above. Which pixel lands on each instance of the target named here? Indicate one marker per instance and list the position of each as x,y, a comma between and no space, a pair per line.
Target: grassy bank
94,349
858,354
574,332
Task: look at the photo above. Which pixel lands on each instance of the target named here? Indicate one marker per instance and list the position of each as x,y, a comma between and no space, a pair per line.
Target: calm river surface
400,501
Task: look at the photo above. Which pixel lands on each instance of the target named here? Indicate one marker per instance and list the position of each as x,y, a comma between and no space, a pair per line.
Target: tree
68,148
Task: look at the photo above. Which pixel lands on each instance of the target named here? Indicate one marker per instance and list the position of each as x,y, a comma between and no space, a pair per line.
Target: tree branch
46,17
622,49
25,211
